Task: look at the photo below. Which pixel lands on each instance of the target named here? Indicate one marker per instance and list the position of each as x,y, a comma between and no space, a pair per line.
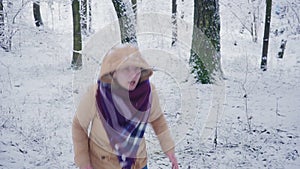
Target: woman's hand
87,167
172,158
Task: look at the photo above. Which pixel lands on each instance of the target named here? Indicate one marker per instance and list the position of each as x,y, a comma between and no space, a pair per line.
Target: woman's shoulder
152,86
87,95
154,92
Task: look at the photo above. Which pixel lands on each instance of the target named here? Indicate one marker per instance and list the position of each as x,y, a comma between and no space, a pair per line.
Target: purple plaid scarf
124,115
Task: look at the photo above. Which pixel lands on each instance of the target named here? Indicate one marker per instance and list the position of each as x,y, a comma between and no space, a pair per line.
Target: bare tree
174,22
37,14
254,20
126,19
182,11
77,40
6,30
206,40
84,15
263,64
282,48
134,6
90,16
1,25
251,22
8,22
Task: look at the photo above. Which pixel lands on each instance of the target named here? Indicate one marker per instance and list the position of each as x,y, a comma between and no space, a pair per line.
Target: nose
133,71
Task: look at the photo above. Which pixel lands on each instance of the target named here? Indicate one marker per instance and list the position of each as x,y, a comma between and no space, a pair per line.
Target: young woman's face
128,77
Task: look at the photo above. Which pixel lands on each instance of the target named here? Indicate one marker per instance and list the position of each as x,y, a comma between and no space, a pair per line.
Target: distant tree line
205,48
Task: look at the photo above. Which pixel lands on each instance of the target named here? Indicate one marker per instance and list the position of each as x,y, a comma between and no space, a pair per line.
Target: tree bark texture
37,14
90,16
263,64
77,41
134,6
205,50
174,22
1,19
84,15
3,37
282,48
126,21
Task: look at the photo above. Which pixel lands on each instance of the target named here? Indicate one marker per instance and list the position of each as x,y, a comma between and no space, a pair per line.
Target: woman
110,121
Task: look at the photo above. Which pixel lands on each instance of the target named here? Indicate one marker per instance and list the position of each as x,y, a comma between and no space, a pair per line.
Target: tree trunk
4,37
134,6
126,21
77,43
174,22
182,11
263,64
205,52
90,16
282,48
254,17
1,22
84,16
254,27
37,14
2,34
1,12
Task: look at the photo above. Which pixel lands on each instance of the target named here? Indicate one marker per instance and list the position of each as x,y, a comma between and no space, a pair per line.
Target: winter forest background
224,107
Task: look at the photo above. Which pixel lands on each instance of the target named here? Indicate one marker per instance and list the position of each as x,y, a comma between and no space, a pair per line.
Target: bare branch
296,13
245,96
241,21
19,10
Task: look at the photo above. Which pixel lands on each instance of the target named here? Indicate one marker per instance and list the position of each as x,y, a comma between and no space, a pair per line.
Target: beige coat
91,143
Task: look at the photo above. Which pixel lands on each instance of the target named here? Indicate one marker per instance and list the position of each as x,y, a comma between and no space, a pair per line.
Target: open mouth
132,83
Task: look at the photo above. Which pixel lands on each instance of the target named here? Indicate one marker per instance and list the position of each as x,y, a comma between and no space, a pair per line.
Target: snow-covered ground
257,111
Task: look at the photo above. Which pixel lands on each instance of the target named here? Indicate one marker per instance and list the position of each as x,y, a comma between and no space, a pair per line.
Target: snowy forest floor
258,126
